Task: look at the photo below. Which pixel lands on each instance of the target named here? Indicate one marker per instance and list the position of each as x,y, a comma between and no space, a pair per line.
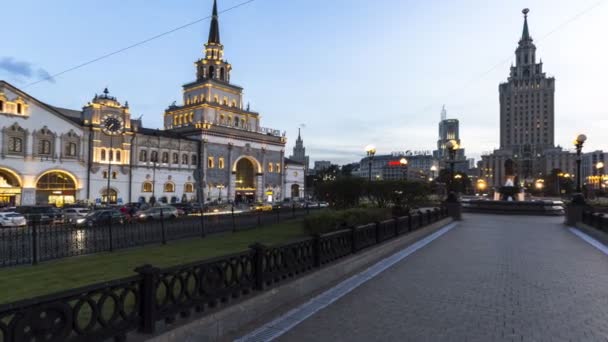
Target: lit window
147,187
270,167
169,187
221,162
278,168
189,188
210,162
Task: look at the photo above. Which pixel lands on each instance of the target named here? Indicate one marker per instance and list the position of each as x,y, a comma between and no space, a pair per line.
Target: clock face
112,125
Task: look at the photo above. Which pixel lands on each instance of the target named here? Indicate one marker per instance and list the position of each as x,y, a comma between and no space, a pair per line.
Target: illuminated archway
10,187
245,178
56,187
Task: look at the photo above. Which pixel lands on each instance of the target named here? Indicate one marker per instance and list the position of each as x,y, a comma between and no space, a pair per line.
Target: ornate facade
211,146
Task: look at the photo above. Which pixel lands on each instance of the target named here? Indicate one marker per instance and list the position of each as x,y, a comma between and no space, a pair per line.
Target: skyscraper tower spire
525,36
214,30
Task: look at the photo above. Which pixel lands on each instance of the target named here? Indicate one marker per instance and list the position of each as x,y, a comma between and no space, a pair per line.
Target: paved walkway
491,278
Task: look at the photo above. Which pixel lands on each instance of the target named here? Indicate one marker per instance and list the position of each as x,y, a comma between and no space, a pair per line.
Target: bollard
162,227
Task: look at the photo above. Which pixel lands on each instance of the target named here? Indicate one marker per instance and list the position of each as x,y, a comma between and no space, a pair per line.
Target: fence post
162,227
110,231
377,231
233,219
353,236
203,234
147,302
35,241
409,222
258,265
293,210
420,219
307,209
316,250
396,226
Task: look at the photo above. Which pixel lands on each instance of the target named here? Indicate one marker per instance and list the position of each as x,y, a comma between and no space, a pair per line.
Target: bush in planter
332,220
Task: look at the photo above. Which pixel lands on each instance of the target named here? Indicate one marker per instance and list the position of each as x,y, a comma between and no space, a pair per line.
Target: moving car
42,214
12,219
101,217
262,207
72,214
154,213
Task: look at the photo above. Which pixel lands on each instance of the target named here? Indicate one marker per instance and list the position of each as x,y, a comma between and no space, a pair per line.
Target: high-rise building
299,153
449,129
527,123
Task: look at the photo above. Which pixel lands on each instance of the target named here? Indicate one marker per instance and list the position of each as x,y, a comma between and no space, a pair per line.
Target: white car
12,219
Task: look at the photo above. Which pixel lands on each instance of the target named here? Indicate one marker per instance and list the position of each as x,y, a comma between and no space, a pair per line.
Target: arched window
175,158
189,188
44,147
236,121
221,163
184,159
154,156
15,145
174,120
165,159
210,162
225,101
211,72
146,187
19,108
71,149
103,155
143,156
191,117
222,74
194,160
1,106
118,159
216,99
169,187
114,174
278,168
111,154
270,167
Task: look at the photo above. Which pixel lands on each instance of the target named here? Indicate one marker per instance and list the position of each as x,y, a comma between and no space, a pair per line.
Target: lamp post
403,163
370,150
110,157
219,196
600,172
433,170
154,160
578,143
540,184
452,147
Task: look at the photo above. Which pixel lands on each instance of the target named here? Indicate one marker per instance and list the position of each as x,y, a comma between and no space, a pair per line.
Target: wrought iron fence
41,242
112,310
596,219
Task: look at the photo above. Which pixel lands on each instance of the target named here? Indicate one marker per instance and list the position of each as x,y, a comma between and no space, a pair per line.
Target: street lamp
370,150
600,172
219,196
433,170
481,185
452,147
403,163
578,143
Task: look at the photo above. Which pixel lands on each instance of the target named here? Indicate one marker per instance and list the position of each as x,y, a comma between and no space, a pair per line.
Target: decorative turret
213,66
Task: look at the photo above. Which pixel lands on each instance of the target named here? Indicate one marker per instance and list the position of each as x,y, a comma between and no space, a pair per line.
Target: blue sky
354,72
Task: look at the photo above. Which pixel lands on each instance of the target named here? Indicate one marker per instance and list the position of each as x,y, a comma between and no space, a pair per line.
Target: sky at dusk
354,72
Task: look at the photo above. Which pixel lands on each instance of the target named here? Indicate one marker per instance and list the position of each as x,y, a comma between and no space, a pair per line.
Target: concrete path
491,278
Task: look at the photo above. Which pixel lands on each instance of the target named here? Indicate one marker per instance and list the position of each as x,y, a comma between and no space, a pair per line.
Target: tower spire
214,30
525,36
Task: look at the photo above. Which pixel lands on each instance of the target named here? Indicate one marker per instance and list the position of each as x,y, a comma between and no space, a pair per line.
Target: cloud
23,69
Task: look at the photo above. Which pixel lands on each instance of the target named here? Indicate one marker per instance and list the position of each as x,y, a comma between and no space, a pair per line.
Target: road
490,278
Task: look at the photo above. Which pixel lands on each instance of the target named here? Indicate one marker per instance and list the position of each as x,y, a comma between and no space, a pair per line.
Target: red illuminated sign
394,163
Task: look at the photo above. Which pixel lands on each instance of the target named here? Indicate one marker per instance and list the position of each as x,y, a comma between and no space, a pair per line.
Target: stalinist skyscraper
527,121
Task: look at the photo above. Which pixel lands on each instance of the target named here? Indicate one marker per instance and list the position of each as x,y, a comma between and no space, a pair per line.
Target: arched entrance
295,191
57,188
10,188
245,181
113,195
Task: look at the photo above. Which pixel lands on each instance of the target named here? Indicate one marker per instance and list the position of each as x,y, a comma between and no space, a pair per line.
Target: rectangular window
278,168
210,162
221,163
270,167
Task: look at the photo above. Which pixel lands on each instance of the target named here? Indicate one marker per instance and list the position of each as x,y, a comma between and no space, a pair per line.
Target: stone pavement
491,278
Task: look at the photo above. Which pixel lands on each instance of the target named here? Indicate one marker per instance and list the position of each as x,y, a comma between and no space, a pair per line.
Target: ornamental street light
433,170
578,143
452,147
370,150
600,172
403,162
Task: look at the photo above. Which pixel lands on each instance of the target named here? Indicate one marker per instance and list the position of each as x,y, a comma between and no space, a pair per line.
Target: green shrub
332,220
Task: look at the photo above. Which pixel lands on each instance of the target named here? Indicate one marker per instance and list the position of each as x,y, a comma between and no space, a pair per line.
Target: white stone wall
294,175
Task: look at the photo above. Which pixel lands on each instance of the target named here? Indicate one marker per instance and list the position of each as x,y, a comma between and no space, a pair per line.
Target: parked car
70,215
12,219
99,217
42,214
154,213
186,208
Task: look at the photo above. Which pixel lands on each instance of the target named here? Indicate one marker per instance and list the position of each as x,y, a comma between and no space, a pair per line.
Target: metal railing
39,242
596,219
112,310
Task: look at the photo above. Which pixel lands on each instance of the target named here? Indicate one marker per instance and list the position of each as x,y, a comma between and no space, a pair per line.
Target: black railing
112,310
41,242
596,219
